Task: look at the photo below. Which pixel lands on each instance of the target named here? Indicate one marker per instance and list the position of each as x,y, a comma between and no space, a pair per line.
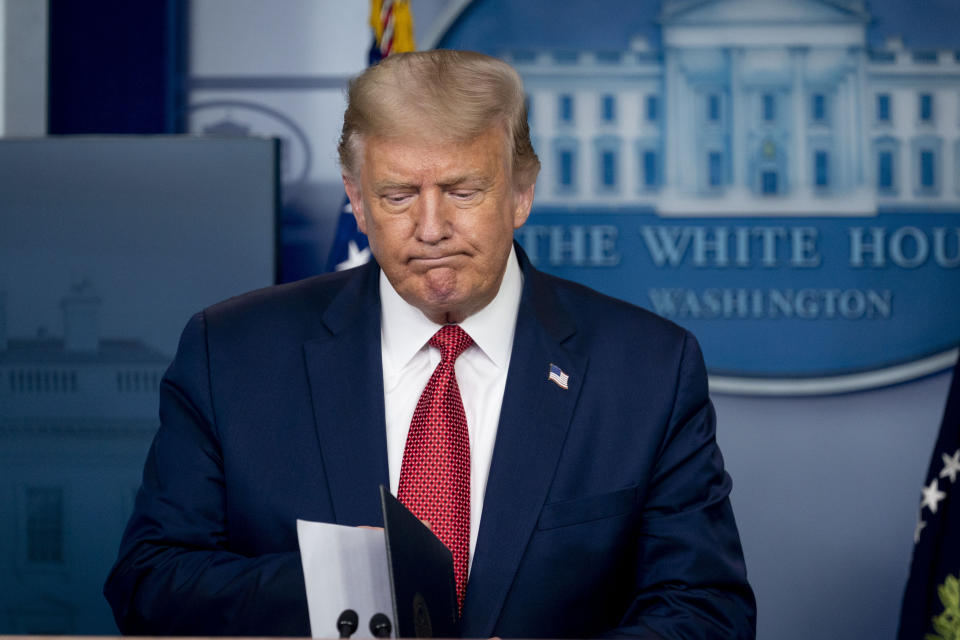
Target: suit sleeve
176,573
691,576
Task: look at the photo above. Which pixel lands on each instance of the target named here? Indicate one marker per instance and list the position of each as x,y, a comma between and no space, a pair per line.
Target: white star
355,257
951,466
916,533
932,496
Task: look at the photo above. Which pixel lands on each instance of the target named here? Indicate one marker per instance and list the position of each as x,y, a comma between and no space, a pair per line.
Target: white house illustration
77,413
751,107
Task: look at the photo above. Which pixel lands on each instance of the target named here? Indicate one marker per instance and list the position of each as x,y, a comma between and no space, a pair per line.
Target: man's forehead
456,158
430,135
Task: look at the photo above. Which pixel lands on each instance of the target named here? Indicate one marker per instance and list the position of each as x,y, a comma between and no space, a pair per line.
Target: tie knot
451,340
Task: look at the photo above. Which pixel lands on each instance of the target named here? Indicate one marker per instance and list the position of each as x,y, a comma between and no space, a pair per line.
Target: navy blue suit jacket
606,508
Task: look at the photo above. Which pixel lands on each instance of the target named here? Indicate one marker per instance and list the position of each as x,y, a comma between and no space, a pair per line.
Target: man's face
440,218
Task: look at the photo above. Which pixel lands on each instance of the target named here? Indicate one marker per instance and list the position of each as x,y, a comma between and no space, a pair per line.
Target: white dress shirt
409,361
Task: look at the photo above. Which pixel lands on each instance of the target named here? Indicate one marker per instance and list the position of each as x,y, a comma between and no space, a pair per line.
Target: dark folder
421,575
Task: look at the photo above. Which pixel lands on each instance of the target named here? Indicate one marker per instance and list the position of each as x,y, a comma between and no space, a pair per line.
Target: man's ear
523,201
356,202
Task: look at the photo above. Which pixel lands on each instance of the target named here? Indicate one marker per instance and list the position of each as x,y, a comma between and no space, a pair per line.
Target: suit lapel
346,383
534,419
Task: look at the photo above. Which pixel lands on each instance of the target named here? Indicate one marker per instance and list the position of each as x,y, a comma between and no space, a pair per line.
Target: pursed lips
434,260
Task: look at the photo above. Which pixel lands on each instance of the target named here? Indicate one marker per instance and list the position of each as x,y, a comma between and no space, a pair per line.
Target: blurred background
780,176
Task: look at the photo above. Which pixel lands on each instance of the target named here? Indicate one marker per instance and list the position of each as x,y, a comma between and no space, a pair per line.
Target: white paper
344,568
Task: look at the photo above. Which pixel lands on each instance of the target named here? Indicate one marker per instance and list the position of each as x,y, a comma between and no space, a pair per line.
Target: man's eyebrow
467,178
393,184
472,179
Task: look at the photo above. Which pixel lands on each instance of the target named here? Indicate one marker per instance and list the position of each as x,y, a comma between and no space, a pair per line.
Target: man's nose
433,217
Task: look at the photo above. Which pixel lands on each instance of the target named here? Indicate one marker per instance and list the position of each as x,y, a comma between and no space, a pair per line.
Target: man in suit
589,496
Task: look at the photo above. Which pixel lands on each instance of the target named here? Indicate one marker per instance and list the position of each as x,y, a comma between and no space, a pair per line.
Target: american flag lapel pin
558,377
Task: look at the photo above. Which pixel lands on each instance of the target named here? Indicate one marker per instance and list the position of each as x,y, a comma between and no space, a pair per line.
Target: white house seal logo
761,172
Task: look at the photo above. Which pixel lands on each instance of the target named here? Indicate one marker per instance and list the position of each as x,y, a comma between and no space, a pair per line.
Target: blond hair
438,95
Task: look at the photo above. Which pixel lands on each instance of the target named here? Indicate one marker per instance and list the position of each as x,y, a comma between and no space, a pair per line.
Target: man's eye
464,194
397,198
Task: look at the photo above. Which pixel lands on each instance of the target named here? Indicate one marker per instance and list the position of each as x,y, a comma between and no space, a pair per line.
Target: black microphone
347,623
380,626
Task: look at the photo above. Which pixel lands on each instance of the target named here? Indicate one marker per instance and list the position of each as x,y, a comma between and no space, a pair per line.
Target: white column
799,180
687,152
852,127
738,144
545,126
903,171
23,67
857,119
861,120
628,118
670,115
847,124
585,131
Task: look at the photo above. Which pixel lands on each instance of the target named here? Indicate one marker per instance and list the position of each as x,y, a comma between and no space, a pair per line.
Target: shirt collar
405,330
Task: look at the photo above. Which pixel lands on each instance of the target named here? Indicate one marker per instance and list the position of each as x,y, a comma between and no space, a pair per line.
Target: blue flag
350,247
931,602
392,23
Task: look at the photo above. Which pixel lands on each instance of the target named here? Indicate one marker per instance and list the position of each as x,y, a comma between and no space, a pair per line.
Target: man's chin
446,310
439,288
442,305
443,296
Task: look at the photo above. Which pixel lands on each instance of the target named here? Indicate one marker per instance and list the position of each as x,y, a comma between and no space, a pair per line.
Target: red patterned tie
435,474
